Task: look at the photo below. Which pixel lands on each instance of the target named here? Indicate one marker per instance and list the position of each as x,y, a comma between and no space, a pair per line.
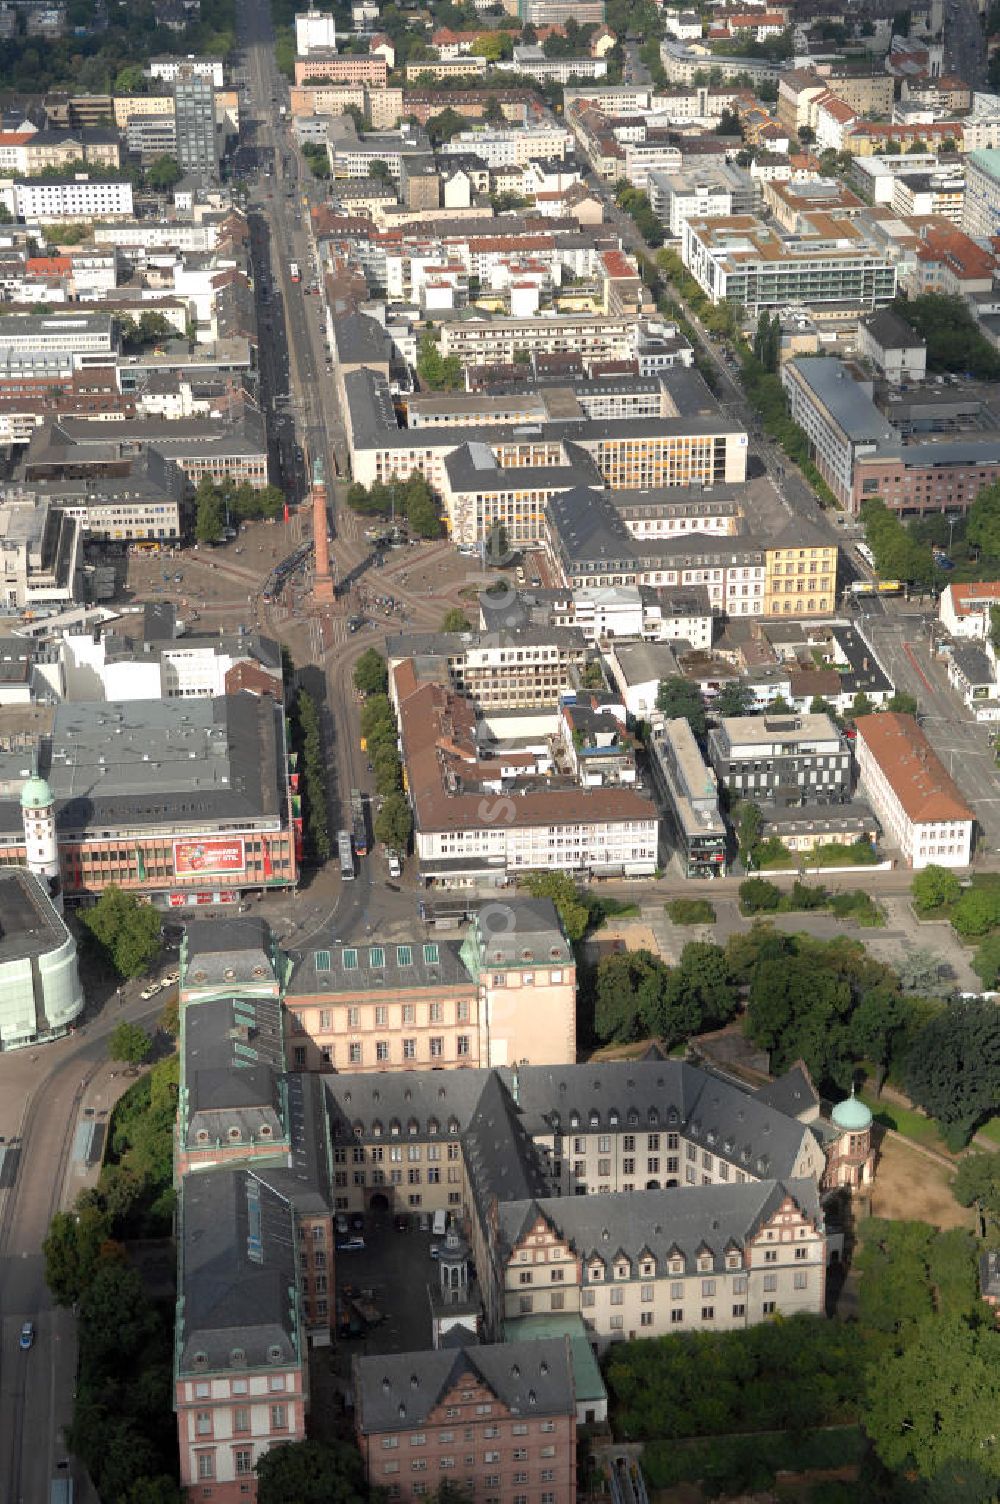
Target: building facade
916,800
794,760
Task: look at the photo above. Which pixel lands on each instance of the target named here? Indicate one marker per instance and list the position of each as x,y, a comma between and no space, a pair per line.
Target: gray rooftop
236,1275
688,1220
335,968
400,1391
141,763
845,399
29,925
232,1057
890,331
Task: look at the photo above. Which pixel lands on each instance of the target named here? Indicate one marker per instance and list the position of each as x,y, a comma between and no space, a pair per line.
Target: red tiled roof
915,773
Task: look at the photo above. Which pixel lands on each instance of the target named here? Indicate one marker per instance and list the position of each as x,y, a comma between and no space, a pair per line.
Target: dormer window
237,1357
234,1135
274,1353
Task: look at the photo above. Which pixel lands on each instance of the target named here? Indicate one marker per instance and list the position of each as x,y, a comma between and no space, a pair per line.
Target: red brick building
498,1421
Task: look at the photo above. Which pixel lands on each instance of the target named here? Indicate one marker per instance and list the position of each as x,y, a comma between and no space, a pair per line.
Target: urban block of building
914,796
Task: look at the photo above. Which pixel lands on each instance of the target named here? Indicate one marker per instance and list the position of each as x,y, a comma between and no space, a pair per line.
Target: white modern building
315,31
40,990
81,198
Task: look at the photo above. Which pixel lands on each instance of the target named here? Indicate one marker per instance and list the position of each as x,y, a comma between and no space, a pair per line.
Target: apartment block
75,199
801,572
827,262
981,210
690,793
495,1420
345,68
918,803
781,759
485,810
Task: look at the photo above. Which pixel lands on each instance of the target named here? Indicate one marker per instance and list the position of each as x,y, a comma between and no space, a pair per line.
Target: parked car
341,1224
401,1222
149,991
27,1337
351,1245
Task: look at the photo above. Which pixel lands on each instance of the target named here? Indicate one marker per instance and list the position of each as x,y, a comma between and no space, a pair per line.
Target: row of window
204,1421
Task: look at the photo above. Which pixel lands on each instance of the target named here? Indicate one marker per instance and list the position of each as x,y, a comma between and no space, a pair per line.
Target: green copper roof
852,1114
36,794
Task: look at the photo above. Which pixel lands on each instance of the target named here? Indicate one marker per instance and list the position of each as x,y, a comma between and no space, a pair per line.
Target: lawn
905,1120
991,1130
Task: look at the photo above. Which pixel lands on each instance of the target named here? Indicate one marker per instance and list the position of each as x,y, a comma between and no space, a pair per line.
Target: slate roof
228,953
236,1272
688,1219
232,1057
399,1391
657,1096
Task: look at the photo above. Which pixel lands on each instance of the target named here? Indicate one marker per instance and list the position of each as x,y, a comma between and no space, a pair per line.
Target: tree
163,174
758,896
977,912
934,886
919,971
571,904
73,1247
678,697
902,704
627,996
437,372
371,673
983,528
749,823
986,962
394,822
934,1401
953,1066
126,928
311,1472
977,1182
734,699
455,620
421,509
129,1043
388,771
209,514
379,170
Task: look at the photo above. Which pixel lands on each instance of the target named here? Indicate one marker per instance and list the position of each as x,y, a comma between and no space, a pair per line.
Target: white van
440,1224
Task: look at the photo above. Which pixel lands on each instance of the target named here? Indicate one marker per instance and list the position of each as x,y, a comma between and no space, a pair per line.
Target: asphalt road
45,1090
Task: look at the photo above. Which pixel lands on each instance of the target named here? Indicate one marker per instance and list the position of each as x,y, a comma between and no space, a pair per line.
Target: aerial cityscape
499,752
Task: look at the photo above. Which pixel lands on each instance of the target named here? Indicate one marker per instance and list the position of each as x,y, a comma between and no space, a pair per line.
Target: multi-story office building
77,198
346,68
703,447
194,118
499,146
151,136
839,418
40,555
219,447
497,1420
918,803
506,669
828,262
315,31
981,209
690,795
508,991
781,759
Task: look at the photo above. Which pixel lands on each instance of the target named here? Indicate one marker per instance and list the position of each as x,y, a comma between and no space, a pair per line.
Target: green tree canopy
126,928
163,174
311,1472
455,620
953,1066
394,822
437,372
678,697
371,673
129,1043
934,886
734,699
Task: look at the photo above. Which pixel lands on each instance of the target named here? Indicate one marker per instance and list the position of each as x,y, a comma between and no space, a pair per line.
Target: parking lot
393,1273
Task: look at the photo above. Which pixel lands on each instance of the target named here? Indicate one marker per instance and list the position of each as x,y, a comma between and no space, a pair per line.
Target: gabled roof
915,773
400,1391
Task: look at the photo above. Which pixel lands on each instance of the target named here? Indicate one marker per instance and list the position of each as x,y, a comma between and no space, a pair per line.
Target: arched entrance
652,1185
378,1202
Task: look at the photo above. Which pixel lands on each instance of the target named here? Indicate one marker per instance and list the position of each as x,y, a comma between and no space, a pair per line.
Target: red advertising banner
199,857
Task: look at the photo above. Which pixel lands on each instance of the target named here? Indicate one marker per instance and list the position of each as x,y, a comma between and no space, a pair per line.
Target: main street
44,1094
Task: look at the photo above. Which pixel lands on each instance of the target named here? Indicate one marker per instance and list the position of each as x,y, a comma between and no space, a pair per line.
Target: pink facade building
497,1421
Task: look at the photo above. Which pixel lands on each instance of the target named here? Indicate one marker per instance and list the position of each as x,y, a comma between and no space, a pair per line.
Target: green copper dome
36,794
852,1115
